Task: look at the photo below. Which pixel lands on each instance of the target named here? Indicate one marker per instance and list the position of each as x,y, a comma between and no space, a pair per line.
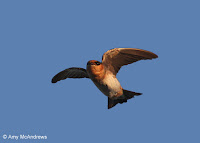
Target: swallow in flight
103,74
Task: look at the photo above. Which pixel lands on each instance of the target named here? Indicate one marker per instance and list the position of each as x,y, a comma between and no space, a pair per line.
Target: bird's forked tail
126,95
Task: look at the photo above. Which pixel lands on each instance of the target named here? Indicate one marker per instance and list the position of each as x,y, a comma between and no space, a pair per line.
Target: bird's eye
97,63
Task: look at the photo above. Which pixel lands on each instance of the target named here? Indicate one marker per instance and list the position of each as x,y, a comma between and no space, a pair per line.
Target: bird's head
95,67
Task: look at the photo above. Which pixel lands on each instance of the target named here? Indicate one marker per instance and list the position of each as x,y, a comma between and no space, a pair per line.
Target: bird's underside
112,61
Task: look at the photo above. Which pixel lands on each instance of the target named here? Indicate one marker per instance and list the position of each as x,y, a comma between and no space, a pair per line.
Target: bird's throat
96,73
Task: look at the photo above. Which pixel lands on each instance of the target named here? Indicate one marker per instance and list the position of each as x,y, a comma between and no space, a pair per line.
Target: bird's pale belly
110,86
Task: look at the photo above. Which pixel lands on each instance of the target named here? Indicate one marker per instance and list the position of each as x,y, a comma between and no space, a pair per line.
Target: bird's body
103,74
108,85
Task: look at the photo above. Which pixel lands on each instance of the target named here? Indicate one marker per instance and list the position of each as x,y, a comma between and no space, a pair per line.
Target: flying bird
103,74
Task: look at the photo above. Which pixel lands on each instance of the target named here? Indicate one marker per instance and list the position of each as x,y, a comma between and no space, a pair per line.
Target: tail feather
126,95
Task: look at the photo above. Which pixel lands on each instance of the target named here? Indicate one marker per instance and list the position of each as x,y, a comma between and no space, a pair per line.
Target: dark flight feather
70,73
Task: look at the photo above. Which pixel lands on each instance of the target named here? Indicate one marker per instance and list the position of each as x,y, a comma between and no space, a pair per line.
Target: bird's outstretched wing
114,59
70,73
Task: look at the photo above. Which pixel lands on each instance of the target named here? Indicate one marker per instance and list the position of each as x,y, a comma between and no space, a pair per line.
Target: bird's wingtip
155,56
53,81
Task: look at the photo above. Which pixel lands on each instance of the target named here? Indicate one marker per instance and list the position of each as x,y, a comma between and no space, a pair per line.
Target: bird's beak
89,63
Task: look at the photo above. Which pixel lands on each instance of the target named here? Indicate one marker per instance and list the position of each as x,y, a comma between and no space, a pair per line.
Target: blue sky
41,38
